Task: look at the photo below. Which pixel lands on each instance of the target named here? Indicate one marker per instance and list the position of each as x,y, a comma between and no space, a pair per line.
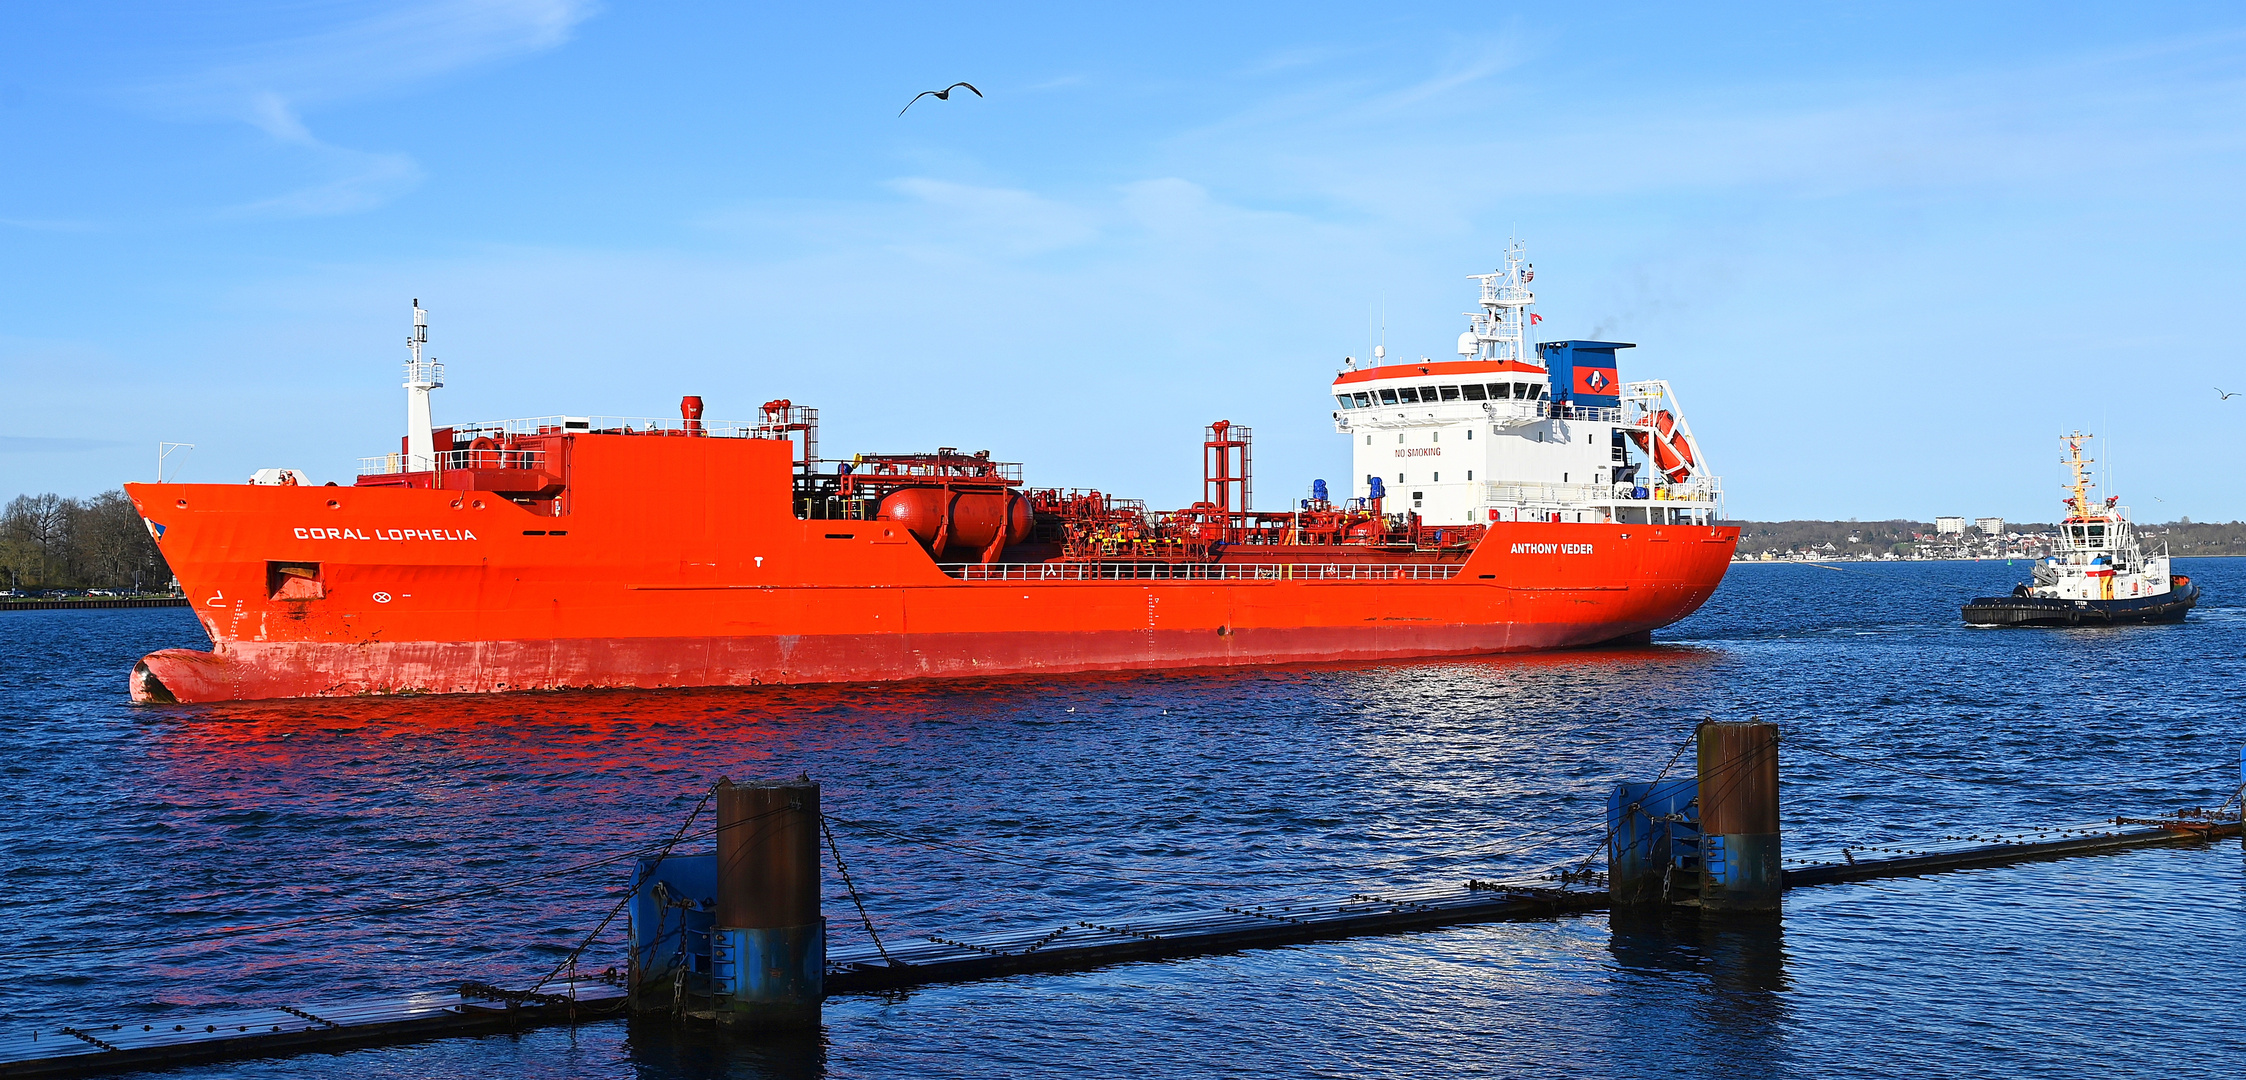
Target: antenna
422,376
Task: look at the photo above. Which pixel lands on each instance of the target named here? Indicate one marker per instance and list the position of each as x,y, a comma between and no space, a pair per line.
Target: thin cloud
358,179
380,54
270,84
2062,126
367,180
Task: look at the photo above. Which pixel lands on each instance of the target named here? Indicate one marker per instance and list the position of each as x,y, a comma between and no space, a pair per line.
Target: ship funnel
690,410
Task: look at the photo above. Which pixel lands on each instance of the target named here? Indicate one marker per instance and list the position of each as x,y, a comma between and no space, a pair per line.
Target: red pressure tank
976,516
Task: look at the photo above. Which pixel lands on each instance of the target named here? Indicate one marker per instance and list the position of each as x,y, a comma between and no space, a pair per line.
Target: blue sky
1884,253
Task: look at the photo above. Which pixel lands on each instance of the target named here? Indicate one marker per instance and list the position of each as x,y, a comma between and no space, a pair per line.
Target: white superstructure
422,376
2098,556
1507,433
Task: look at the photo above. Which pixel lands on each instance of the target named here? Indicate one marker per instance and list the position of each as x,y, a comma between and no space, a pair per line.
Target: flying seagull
2219,390
940,95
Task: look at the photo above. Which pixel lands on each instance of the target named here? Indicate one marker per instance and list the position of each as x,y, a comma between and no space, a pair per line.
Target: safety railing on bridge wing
1517,412
636,425
1020,572
387,464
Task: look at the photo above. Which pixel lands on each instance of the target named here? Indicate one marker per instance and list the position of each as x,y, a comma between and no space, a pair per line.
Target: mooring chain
570,961
1584,871
843,868
1046,940
294,1011
75,1033
967,945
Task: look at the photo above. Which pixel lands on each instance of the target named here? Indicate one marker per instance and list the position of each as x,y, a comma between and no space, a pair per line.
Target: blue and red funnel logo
1594,380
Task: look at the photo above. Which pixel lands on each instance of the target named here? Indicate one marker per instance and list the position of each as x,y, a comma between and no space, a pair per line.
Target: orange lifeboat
1669,446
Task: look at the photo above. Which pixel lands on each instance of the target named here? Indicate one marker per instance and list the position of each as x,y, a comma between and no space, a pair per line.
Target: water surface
1031,802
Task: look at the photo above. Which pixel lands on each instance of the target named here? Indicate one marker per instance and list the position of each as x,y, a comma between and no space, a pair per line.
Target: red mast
1225,464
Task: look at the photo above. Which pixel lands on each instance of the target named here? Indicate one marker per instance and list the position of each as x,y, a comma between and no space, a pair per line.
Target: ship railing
492,459
611,425
1700,489
390,464
966,468
1516,412
1508,492
1155,571
1561,410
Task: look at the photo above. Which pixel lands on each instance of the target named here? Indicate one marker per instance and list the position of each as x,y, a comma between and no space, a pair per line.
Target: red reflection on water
580,720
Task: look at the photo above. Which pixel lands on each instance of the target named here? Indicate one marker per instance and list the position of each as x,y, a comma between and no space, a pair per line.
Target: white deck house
1501,435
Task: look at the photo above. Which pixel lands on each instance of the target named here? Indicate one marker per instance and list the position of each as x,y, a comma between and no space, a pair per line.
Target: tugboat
2099,575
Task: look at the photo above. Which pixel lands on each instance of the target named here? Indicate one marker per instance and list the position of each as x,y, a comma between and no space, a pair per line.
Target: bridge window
1388,397
1474,392
1364,400
1427,393
1450,393
1410,395
1347,402
1501,391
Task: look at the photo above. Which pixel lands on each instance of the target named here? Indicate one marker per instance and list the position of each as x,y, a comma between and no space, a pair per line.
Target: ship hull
254,671
678,563
2168,607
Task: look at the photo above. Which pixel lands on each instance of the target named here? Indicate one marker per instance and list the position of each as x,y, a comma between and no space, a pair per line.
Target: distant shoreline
94,602
1899,562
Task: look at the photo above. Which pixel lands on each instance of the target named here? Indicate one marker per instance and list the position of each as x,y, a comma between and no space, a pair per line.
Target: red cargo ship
596,552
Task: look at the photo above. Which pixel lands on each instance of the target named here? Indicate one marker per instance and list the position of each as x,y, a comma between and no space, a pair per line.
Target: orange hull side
678,563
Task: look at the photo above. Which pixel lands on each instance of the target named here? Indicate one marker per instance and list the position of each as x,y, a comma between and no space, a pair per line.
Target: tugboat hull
2168,607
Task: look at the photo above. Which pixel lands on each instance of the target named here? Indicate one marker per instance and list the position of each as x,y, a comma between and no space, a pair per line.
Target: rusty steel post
769,955
1740,868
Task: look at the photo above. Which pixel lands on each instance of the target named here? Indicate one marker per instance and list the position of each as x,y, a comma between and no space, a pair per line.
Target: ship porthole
183,502
334,505
478,504
456,504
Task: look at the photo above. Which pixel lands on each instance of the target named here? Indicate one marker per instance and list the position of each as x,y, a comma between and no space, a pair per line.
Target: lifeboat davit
1670,447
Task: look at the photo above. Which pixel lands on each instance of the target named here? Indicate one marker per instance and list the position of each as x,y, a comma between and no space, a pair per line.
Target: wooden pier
1097,943
84,1048
1087,944
79,1048
1968,851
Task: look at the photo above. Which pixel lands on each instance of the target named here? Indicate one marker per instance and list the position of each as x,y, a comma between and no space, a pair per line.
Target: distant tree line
1859,538
2188,537
52,542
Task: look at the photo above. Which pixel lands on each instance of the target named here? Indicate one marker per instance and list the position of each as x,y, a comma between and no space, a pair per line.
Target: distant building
1989,526
1949,526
